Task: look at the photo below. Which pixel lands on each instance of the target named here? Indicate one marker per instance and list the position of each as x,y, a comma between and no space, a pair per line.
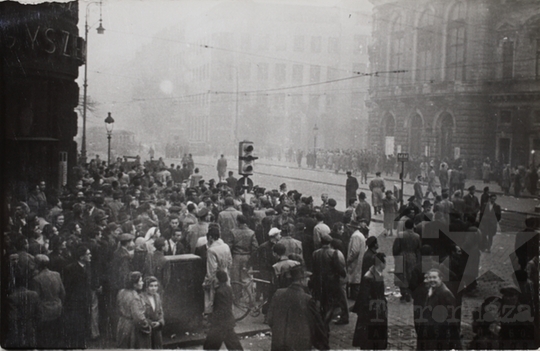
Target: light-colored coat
355,256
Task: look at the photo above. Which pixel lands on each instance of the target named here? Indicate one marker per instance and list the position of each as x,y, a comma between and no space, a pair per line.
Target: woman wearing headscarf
153,310
133,329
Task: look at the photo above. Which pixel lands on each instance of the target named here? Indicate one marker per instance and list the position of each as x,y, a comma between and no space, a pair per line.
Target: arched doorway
415,135
446,136
389,127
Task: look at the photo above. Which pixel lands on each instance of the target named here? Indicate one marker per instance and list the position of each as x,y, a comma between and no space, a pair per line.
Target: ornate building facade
457,79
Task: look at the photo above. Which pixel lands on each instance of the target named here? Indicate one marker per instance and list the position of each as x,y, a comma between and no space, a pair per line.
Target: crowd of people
90,262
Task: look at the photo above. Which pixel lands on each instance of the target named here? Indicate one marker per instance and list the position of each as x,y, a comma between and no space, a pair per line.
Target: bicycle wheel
242,301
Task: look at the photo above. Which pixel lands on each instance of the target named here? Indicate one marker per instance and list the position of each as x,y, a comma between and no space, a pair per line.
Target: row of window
297,72
297,43
279,101
505,117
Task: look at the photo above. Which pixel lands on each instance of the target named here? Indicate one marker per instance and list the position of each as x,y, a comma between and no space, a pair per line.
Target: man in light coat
227,220
50,289
355,256
218,257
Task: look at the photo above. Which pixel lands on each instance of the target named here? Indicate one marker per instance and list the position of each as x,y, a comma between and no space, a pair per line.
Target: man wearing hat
355,257
390,207
472,205
489,219
351,186
426,215
294,320
327,270
369,257
363,209
197,230
244,246
265,261
376,186
332,215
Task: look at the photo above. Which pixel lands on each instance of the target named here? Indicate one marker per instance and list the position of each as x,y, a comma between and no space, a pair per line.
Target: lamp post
532,153
109,124
315,131
100,30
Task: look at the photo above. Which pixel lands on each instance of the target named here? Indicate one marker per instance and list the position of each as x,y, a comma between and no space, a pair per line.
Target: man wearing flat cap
363,209
327,270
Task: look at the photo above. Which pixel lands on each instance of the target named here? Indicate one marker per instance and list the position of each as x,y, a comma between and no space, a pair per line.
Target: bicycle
246,300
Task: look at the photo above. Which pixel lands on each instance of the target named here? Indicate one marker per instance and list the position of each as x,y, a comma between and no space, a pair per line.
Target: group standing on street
93,259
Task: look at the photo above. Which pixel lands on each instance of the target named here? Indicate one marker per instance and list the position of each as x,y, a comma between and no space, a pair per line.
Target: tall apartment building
470,87
243,59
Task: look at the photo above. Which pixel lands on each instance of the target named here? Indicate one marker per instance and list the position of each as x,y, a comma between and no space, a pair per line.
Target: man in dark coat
222,320
327,269
363,210
371,331
489,218
472,205
77,312
351,186
332,215
296,324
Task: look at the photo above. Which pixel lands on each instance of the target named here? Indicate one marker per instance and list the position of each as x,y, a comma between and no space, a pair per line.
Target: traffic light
245,158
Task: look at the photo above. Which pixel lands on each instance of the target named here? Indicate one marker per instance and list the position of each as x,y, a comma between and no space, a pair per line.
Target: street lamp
532,153
109,124
315,131
100,30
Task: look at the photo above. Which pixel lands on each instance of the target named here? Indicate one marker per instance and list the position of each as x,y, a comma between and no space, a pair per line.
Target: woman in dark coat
153,310
133,330
371,331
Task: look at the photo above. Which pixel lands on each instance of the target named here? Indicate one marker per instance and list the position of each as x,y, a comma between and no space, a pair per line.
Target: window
505,117
314,73
360,44
262,71
299,43
507,58
246,42
264,43
537,58
280,72
281,43
313,106
245,71
455,50
333,45
331,74
297,73
424,59
536,117
316,44
396,50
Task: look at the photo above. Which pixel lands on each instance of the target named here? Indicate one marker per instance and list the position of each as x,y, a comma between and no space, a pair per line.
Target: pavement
270,173
495,272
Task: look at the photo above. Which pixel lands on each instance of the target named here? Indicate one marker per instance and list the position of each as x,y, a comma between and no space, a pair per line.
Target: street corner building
41,54
456,80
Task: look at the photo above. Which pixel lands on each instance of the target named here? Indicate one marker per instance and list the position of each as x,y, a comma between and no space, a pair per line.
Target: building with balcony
470,81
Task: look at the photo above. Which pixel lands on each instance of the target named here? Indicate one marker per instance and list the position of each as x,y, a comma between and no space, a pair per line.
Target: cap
174,209
125,237
471,188
326,238
354,224
349,173
274,232
371,241
362,195
202,212
332,203
426,203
